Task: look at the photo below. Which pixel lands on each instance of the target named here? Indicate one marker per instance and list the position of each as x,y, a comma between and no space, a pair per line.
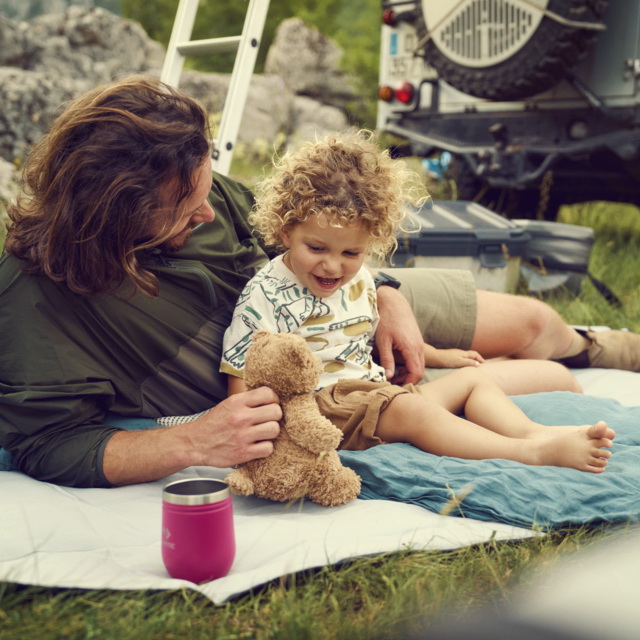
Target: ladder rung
211,45
245,47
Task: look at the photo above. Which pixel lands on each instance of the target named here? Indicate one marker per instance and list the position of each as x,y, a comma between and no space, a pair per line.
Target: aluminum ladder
246,47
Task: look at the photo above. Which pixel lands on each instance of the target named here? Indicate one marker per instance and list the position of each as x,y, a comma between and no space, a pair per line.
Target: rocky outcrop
8,190
90,44
309,64
55,57
29,100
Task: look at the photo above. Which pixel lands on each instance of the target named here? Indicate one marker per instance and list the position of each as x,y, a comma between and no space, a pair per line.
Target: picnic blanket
110,538
511,492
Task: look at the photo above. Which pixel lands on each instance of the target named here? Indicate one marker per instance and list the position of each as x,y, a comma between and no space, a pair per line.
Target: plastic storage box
557,256
465,235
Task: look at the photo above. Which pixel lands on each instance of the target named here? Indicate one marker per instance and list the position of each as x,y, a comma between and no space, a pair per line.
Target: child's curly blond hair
345,177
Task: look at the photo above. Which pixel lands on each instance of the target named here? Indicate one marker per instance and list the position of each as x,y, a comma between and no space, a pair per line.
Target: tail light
405,92
386,93
389,17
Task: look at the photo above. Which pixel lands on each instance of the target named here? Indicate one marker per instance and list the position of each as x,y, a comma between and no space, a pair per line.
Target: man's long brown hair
92,185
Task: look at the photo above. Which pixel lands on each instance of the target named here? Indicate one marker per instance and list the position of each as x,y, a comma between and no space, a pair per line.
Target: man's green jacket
67,360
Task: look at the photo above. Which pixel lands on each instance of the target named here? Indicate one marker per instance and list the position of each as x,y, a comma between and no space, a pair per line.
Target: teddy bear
304,462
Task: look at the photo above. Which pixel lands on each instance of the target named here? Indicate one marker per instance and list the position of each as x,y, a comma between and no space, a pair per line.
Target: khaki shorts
444,304
354,406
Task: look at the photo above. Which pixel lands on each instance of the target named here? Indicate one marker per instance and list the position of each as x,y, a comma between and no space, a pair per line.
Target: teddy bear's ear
260,335
300,355
296,359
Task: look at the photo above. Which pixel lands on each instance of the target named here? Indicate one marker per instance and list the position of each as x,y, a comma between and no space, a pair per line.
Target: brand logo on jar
167,534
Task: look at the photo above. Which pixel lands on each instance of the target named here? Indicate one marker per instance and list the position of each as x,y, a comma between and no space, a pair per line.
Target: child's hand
452,358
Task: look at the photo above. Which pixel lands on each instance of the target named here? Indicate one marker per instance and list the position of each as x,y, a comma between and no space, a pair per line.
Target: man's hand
398,333
238,429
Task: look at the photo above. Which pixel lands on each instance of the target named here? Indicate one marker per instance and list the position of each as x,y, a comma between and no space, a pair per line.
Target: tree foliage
353,24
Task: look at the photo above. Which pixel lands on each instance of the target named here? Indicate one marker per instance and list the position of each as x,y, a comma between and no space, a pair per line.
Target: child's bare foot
554,432
586,449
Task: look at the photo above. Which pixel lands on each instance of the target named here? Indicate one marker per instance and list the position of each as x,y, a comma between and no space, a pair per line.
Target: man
121,269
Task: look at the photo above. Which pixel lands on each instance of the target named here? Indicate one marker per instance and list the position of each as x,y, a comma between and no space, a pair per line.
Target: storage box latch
493,256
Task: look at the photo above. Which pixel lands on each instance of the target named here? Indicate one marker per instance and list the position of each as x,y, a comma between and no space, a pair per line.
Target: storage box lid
556,245
463,228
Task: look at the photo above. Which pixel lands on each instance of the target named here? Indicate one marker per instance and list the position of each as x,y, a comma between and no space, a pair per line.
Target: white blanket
110,538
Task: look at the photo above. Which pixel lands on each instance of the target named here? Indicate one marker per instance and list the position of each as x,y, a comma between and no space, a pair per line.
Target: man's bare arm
398,332
239,429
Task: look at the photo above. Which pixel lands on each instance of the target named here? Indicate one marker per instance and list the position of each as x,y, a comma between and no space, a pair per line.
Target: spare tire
505,49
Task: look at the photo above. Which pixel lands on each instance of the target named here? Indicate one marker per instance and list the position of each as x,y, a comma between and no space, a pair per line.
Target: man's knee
508,324
543,333
536,315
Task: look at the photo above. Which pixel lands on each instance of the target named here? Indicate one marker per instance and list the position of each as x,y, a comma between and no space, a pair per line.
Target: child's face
323,257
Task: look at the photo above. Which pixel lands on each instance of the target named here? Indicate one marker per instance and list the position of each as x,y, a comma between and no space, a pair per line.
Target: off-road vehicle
537,101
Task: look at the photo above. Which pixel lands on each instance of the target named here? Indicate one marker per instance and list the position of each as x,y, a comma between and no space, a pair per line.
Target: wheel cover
481,33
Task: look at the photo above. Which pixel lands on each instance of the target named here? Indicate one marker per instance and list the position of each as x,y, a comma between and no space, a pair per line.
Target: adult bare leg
522,327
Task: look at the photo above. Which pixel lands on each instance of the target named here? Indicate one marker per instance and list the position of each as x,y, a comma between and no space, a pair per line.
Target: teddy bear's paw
335,489
329,437
336,438
239,483
314,433
282,484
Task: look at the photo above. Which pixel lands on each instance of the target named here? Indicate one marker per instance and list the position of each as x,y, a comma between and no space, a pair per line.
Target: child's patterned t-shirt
338,328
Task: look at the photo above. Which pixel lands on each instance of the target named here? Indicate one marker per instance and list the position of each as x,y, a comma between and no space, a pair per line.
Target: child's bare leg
516,377
431,427
476,395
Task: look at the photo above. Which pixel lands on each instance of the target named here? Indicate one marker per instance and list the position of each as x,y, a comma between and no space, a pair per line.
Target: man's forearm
132,457
239,429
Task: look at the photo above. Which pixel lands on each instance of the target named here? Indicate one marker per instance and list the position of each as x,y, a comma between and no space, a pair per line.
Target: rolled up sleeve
55,433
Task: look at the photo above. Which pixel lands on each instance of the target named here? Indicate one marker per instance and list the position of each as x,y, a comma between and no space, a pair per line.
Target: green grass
615,260
380,597
383,597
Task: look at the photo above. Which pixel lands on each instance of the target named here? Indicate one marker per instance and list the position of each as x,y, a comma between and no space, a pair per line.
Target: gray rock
311,119
30,99
53,58
209,88
57,57
268,112
309,63
15,42
8,189
93,43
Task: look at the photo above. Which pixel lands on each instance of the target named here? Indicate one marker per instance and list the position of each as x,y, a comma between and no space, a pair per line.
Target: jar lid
194,491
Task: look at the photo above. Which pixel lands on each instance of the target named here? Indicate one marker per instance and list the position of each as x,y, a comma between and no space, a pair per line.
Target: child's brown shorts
354,406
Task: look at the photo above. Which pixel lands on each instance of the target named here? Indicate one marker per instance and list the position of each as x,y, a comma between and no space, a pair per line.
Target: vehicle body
546,109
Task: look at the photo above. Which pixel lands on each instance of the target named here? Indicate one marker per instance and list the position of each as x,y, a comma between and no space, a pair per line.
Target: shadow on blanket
511,492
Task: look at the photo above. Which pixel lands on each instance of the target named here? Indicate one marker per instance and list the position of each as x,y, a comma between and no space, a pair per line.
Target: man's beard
177,242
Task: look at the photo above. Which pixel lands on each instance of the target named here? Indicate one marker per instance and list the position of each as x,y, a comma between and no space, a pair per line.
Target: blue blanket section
511,492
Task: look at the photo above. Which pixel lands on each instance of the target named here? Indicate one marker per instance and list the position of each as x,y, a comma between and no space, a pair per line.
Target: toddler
329,206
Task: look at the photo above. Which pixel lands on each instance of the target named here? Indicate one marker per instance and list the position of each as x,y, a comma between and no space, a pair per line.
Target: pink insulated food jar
198,541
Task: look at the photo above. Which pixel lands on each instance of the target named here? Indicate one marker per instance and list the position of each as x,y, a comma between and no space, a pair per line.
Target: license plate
402,64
